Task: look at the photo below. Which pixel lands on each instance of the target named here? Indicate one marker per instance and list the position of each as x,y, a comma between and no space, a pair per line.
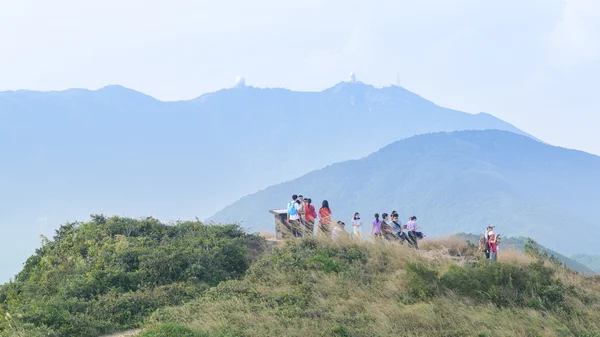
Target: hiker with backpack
293,216
484,244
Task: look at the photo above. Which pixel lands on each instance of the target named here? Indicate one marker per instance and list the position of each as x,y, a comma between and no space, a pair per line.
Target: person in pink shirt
493,242
376,230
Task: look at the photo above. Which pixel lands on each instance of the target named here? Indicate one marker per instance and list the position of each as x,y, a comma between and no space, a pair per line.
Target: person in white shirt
486,235
356,226
301,208
293,216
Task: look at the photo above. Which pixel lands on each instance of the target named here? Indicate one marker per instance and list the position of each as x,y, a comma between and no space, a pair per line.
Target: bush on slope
111,273
319,288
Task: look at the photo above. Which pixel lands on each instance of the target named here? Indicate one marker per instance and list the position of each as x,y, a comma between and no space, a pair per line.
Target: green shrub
507,284
112,273
423,282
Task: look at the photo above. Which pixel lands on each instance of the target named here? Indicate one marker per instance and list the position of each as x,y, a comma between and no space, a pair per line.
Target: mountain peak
346,86
119,91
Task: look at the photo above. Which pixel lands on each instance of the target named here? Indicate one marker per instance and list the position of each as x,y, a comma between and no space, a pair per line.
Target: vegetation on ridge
319,288
111,273
191,280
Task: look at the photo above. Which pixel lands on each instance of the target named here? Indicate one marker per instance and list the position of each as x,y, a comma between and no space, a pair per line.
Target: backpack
482,243
291,209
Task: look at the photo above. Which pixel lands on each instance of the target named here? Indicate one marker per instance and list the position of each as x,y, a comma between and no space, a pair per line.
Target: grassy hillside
111,273
519,244
592,261
454,182
318,288
192,280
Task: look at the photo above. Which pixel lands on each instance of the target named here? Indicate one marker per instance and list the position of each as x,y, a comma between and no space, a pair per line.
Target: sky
533,63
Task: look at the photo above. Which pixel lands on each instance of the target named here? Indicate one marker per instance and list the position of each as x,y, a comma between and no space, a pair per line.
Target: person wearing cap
486,235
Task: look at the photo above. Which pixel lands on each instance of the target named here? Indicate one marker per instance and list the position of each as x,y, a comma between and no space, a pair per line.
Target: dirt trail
128,333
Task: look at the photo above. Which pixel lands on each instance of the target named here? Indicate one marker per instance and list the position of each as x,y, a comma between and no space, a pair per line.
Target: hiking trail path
127,333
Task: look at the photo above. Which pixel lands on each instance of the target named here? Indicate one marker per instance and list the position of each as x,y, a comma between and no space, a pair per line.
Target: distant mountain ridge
590,260
455,182
118,151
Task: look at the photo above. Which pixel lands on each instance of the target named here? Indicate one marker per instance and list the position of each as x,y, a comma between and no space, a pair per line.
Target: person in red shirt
325,218
309,216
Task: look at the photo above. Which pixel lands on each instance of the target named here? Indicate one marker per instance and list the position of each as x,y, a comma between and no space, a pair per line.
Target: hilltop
190,280
454,182
118,151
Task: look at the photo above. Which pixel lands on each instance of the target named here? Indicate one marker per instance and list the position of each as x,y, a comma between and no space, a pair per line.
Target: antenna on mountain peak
240,82
352,77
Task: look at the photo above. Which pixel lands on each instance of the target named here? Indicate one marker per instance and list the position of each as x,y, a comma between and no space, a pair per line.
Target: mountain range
455,182
592,261
71,153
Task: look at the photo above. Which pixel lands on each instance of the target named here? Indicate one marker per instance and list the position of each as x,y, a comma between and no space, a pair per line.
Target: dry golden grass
372,300
449,245
267,235
515,257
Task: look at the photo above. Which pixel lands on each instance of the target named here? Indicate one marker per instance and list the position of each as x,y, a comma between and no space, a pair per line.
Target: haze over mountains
456,182
117,151
592,261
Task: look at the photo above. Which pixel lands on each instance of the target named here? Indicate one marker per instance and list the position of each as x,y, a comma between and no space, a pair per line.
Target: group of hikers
302,219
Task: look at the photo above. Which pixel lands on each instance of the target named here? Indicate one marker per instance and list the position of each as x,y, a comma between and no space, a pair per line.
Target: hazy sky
534,63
